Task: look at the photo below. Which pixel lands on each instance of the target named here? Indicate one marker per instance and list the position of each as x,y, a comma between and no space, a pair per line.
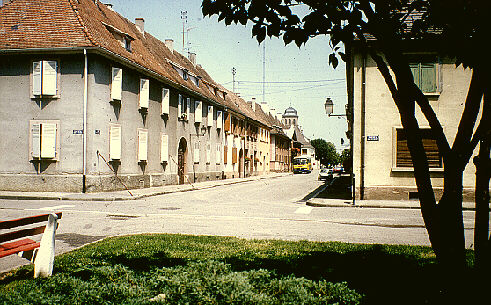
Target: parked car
325,174
338,170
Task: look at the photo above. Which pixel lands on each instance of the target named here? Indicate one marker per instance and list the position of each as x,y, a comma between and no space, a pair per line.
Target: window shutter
49,78
164,148
415,71
36,140
144,93
117,83
208,153
48,140
219,120
218,155
234,155
115,142
403,156
198,112
210,116
180,105
188,107
428,77
36,77
196,152
165,100
142,144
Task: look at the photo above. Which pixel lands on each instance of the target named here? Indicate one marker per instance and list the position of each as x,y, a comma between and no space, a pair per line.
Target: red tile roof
51,24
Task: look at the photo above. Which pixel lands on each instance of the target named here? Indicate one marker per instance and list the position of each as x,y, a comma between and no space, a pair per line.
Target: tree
455,28
325,152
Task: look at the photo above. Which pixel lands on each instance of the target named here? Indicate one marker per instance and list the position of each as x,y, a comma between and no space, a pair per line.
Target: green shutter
428,77
415,71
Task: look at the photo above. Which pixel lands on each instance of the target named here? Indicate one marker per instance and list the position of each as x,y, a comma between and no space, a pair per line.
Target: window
403,156
198,112
183,107
44,139
142,145
210,116
144,93
219,120
44,78
185,75
116,83
164,148
115,142
426,73
165,101
196,152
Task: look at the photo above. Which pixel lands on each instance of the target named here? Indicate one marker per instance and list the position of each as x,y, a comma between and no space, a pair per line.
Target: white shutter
208,153
117,83
180,106
48,140
218,155
198,112
165,100
219,120
142,144
144,93
188,106
49,77
164,148
36,77
115,142
36,140
196,152
210,116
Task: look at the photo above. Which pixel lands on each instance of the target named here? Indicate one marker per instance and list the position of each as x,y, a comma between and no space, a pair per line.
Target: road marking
56,207
304,210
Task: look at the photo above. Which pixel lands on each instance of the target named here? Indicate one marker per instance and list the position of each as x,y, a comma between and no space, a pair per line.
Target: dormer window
124,39
185,74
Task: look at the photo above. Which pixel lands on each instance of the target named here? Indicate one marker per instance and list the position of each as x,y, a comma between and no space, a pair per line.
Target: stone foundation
404,193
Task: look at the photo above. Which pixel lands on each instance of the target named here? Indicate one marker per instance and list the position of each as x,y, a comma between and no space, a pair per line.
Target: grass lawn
182,269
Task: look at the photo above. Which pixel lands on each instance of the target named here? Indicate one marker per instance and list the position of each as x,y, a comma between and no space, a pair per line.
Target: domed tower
290,117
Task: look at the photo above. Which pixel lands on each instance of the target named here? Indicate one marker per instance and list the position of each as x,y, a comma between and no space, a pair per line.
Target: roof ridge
82,24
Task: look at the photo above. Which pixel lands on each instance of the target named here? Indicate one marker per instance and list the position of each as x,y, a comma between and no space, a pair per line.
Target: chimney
192,58
140,24
169,43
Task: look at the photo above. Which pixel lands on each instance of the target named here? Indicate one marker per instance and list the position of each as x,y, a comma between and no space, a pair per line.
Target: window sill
432,94
45,97
411,169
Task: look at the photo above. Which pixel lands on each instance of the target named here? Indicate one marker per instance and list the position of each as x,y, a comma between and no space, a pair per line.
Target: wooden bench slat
15,244
21,233
9,224
27,247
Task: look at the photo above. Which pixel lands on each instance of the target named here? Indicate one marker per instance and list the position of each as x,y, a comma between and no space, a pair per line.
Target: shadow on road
338,188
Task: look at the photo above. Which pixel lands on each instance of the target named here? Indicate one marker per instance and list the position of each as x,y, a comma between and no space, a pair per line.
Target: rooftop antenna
184,17
264,68
234,71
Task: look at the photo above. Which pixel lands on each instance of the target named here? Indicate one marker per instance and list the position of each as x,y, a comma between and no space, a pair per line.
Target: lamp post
329,106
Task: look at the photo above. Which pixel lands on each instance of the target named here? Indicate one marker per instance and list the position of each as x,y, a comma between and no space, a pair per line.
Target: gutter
362,125
84,141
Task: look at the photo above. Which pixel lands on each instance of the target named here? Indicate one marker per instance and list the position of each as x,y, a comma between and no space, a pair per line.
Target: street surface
266,209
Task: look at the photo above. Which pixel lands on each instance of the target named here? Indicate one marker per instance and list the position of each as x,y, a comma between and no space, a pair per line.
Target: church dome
290,112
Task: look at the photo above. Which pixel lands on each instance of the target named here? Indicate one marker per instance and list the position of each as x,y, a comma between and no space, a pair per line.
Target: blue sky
300,77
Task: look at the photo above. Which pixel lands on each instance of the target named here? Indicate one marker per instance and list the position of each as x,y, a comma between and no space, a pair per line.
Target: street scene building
101,104
381,161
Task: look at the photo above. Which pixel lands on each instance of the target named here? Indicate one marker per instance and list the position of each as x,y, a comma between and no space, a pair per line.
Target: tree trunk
481,231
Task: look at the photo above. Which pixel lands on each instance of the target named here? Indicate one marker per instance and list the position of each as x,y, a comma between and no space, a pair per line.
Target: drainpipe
84,152
362,126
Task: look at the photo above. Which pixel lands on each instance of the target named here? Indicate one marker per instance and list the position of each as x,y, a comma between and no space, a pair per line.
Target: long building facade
91,102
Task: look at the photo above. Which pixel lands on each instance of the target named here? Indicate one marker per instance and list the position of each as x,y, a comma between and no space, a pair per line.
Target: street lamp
329,106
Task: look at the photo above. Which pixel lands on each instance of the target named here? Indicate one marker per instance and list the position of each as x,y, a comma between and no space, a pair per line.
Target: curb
125,197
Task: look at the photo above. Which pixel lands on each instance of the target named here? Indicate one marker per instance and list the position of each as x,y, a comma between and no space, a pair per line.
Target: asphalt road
264,209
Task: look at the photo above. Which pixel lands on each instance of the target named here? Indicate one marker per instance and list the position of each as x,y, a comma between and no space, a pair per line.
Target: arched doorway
182,160
241,163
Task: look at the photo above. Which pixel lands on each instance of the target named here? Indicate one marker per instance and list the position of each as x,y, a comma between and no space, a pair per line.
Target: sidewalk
132,194
399,204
